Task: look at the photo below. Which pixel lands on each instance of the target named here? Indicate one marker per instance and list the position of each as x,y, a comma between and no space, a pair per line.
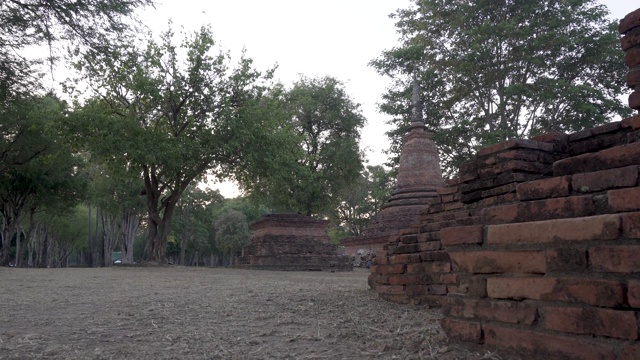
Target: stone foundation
290,242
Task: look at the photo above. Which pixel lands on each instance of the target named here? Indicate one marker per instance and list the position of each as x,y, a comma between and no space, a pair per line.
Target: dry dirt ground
210,313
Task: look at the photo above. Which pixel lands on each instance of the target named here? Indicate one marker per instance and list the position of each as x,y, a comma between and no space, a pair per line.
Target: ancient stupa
419,177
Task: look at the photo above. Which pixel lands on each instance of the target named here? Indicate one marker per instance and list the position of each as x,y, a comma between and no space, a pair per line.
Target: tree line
113,163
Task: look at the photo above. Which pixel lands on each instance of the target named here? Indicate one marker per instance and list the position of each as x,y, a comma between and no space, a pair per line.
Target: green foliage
173,113
37,170
322,156
91,24
232,232
193,222
494,70
361,202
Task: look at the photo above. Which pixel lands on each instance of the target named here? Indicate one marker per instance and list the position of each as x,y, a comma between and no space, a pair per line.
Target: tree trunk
27,239
158,232
96,254
130,224
44,253
110,237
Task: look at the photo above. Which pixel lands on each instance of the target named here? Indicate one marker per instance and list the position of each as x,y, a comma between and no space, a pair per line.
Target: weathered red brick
634,121
634,99
391,269
462,235
602,227
490,262
500,214
404,279
592,321
632,57
435,256
475,286
429,267
381,260
404,259
629,41
624,199
514,312
447,190
554,208
390,289
462,330
606,179
550,137
630,21
607,293
437,289
463,178
631,225
520,288
619,156
429,246
545,188
617,259
449,278
630,351
634,293
566,259
515,144
547,346
633,77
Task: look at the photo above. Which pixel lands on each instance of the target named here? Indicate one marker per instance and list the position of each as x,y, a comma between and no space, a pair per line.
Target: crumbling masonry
536,246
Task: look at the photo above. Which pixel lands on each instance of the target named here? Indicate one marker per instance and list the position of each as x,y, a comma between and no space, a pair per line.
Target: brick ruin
535,247
419,177
291,242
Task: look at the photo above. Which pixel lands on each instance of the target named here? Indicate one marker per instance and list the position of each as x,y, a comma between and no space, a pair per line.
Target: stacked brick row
630,29
413,267
557,273
291,242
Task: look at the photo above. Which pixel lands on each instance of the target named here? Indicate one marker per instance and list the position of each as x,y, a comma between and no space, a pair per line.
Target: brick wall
534,248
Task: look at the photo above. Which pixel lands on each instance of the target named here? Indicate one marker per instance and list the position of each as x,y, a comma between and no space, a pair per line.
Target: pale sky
314,38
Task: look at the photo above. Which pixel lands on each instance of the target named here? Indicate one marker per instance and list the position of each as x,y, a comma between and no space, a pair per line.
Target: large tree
323,156
87,24
174,112
494,70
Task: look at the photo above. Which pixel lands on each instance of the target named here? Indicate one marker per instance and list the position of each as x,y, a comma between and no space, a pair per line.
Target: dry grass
201,313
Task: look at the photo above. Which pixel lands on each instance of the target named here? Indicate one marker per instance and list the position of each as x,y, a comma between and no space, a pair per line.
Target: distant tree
494,70
323,157
116,196
361,202
38,170
232,233
173,118
194,220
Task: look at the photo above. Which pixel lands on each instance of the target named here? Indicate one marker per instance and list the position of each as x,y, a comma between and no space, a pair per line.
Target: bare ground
204,313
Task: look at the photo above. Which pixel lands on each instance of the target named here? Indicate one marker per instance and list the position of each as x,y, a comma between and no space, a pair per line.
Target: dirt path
203,313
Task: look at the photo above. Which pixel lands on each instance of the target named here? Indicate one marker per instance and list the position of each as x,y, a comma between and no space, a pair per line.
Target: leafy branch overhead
494,70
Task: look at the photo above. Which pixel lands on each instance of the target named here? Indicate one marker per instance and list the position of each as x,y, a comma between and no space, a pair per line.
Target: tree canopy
175,113
89,24
494,70
322,157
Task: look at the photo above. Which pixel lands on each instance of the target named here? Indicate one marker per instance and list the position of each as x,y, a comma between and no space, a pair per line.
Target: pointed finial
417,120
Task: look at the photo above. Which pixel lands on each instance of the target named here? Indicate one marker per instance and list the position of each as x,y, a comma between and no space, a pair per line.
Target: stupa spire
416,120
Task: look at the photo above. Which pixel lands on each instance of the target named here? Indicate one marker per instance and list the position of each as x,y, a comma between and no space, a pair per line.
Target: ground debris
203,313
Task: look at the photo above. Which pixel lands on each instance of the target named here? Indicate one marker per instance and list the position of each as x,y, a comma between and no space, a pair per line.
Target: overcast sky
314,38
